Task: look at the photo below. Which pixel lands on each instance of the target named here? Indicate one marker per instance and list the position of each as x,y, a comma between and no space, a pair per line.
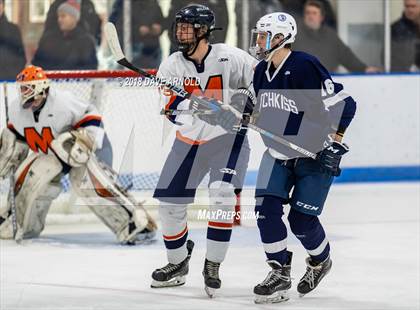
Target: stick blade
113,42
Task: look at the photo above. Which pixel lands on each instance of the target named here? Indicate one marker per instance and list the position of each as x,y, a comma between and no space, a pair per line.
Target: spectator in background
405,39
89,19
256,9
323,42
146,28
70,47
295,8
219,8
12,54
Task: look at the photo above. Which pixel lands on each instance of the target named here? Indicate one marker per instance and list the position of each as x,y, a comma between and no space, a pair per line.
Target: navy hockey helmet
199,16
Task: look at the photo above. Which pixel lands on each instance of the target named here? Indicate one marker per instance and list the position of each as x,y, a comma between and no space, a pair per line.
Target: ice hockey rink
373,229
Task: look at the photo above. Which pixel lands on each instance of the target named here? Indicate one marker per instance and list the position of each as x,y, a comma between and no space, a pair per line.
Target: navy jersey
299,101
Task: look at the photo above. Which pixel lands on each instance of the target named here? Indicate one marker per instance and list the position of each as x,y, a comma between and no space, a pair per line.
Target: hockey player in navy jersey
298,101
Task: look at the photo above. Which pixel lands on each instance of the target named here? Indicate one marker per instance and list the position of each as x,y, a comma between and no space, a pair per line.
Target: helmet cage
186,46
29,91
199,16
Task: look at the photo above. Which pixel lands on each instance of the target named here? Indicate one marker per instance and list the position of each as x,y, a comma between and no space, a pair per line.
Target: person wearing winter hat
70,47
89,18
68,15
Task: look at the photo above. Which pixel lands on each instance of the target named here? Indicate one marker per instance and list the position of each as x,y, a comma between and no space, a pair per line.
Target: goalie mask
192,24
269,29
33,87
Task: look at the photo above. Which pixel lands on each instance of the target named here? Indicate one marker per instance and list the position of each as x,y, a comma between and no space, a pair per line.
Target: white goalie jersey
224,69
63,111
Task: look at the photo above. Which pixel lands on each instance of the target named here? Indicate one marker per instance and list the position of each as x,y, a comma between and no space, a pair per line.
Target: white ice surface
374,235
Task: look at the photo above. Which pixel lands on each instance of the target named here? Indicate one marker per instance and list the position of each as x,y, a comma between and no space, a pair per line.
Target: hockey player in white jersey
221,73
51,133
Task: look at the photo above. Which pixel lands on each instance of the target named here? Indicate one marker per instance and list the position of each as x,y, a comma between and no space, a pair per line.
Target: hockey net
139,136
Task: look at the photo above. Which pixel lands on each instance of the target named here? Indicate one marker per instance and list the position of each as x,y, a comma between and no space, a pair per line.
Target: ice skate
275,286
313,275
211,277
172,274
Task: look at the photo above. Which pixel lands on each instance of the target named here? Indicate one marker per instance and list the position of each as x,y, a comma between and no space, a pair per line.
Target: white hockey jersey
223,70
63,111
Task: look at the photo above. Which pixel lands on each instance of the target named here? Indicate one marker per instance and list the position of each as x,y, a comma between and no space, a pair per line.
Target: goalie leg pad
219,230
125,217
12,152
40,209
174,229
109,212
36,186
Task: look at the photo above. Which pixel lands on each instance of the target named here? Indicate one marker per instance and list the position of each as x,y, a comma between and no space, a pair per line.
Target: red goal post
93,74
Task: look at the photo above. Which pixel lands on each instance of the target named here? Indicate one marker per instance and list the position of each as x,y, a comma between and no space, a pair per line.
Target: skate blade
211,292
177,281
276,297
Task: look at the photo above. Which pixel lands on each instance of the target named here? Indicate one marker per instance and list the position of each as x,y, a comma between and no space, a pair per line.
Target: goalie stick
11,194
114,44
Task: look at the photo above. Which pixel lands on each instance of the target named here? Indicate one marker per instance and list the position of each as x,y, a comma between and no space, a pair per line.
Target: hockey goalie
51,133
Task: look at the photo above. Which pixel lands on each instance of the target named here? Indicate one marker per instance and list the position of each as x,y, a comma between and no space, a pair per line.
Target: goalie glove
330,157
74,148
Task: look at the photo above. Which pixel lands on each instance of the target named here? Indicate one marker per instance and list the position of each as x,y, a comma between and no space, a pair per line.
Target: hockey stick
11,194
114,45
247,125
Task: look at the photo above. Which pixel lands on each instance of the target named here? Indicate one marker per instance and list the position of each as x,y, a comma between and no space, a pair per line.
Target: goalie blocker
38,184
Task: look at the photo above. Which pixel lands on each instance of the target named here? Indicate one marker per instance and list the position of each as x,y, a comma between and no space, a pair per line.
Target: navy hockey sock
309,231
273,231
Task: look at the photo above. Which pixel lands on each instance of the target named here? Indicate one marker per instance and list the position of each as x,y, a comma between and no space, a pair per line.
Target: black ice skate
275,286
313,275
172,274
211,277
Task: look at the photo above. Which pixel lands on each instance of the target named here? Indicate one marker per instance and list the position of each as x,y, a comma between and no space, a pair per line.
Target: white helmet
271,25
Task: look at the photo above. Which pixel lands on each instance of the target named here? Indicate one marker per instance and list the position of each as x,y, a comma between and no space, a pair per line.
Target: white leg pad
40,210
115,208
110,213
36,187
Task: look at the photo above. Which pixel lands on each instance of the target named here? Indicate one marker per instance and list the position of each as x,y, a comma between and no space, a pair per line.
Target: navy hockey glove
211,106
227,120
330,157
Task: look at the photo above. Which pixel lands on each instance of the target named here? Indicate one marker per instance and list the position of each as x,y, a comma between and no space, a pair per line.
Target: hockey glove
227,120
219,115
242,101
211,106
330,157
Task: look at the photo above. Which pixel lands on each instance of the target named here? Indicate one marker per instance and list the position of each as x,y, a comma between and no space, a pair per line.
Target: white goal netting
139,135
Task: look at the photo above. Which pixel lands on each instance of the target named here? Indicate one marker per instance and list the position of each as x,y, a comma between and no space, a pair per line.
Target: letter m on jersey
213,89
38,141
